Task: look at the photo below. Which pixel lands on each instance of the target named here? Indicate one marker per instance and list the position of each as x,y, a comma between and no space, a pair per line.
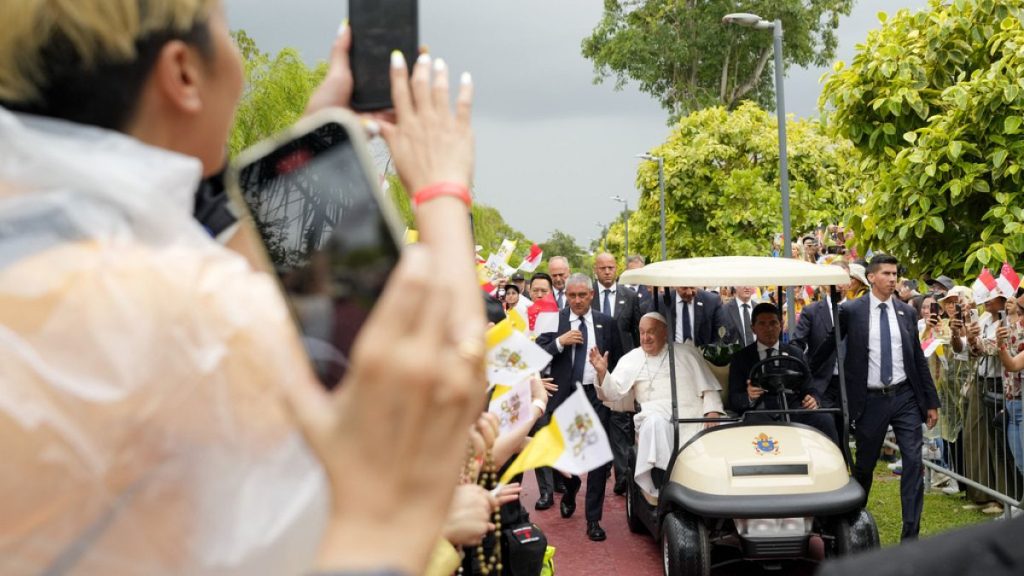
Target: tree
933,102
680,52
722,185
563,244
276,92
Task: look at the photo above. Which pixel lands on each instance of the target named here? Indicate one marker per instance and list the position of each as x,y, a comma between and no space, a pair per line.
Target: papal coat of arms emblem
509,358
581,433
510,409
765,444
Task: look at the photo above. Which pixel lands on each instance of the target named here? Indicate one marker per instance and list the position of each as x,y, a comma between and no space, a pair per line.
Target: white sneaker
896,464
951,488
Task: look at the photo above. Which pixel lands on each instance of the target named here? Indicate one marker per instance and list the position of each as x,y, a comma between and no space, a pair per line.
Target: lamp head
742,19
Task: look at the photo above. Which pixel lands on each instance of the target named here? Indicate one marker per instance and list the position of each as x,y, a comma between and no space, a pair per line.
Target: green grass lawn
941,512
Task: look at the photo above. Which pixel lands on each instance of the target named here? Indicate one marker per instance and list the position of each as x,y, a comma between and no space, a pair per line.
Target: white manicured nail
342,26
466,78
439,65
397,59
423,59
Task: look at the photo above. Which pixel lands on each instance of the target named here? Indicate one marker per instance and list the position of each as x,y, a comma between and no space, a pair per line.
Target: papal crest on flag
511,356
573,442
512,405
505,250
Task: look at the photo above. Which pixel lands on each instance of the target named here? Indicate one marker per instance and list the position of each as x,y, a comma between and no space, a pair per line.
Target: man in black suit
558,268
744,396
580,329
887,383
621,303
812,329
643,293
698,315
737,315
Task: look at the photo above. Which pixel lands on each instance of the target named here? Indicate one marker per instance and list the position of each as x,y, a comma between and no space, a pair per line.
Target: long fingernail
423,59
371,126
466,78
439,65
397,59
342,26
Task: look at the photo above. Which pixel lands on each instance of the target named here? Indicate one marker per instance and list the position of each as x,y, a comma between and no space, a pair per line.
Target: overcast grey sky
552,147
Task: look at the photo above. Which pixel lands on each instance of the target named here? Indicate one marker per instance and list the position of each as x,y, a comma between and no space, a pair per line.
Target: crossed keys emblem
510,409
581,434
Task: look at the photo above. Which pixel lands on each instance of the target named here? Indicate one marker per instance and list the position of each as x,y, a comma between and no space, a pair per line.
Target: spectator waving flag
984,284
1008,281
543,315
532,260
573,442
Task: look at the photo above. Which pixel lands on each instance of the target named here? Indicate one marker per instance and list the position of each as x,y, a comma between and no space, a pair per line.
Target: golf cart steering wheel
780,373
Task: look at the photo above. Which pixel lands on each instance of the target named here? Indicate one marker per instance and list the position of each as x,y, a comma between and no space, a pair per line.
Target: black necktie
687,331
607,303
886,344
746,324
579,358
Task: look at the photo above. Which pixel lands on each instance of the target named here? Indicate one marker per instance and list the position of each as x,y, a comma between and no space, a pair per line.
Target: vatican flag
511,356
512,405
573,442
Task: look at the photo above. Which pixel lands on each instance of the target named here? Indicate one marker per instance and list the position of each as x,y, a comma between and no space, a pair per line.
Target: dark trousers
902,413
597,479
621,434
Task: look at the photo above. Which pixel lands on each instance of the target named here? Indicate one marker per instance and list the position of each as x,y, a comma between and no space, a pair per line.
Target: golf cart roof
736,271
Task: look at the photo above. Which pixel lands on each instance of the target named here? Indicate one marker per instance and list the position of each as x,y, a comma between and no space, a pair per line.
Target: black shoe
559,488
544,502
568,506
595,532
620,488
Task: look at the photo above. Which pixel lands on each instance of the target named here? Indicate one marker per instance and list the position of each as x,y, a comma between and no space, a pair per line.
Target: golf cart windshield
736,271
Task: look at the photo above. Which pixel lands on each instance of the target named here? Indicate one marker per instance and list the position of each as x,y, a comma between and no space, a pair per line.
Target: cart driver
645,373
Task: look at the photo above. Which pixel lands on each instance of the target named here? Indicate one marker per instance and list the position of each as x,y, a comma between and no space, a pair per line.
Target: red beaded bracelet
428,193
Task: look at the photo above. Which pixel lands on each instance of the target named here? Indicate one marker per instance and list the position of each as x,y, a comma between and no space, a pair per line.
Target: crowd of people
157,410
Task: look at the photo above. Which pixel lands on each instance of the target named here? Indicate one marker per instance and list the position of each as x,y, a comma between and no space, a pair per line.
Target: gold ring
471,350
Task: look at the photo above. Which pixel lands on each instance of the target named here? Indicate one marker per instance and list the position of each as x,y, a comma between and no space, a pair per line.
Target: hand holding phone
379,27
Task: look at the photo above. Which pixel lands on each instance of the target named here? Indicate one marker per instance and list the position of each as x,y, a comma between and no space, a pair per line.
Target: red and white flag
1008,281
984,284
532,260
930,345
543,315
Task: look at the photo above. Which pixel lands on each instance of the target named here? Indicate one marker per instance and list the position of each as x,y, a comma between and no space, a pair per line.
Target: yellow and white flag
511,356
573,442
505,251
512,405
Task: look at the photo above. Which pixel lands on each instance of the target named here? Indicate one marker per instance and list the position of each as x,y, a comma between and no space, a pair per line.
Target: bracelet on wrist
541,405
442,189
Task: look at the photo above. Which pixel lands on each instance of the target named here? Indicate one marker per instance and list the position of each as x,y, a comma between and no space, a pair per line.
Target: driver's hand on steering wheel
810,403
754,393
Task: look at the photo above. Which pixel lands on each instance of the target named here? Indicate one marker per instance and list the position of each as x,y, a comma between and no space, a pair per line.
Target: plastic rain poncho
141,425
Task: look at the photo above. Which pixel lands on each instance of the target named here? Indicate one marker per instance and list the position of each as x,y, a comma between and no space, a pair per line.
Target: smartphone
378,28
330,234
959,312
935,309
1002,318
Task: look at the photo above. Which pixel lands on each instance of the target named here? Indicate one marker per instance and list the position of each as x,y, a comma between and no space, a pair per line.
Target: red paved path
624,553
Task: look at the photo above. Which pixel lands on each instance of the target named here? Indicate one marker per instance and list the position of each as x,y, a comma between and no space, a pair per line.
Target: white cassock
648,377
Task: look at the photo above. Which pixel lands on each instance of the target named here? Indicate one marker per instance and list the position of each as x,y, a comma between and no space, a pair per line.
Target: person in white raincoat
644,373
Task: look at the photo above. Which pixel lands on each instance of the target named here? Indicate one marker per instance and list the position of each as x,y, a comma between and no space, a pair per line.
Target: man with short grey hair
580,329
558,269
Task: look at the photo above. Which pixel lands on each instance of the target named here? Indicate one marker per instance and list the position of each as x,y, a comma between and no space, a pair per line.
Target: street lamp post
661,186
756,22
625,221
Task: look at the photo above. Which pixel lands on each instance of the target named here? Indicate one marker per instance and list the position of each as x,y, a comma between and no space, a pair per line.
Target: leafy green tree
933,102
276,91
722,185
564,244
679,52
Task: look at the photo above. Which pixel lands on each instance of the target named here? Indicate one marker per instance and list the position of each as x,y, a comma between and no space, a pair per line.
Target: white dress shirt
599,296
691,306
589,373
762,350
875,345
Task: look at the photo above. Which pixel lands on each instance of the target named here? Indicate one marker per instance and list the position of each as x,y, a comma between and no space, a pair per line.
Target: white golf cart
751,491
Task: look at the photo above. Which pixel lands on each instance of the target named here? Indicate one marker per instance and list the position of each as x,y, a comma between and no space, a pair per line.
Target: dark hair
917,302
808,237
494,308
542,276
511,286
107,94
763,308
878,260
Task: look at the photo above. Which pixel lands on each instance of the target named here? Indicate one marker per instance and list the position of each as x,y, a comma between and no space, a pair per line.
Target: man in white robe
644,372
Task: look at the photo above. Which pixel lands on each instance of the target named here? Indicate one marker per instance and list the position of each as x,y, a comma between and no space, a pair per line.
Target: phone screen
319,216
378,28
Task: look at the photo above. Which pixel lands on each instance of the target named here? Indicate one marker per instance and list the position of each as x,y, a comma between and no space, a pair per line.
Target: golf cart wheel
855,533
685,548
633,499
